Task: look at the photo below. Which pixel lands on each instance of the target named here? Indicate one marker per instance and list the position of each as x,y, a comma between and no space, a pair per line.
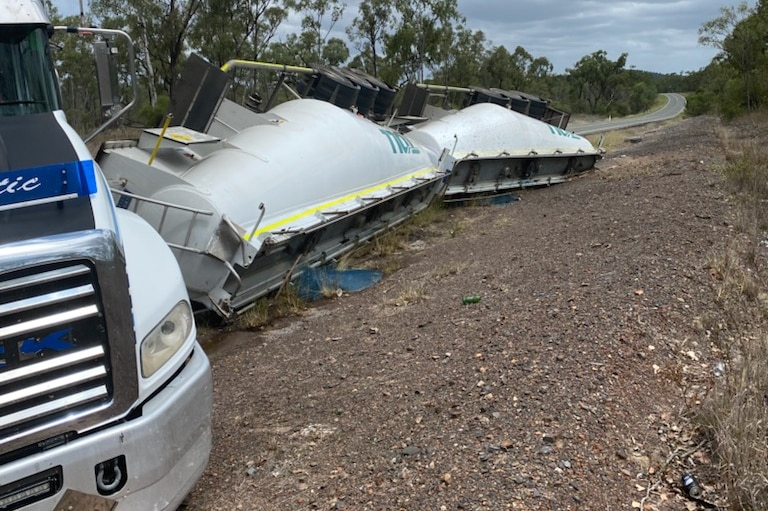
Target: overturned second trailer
498,149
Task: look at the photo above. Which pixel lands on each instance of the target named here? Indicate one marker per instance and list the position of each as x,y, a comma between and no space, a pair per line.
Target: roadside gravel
566,387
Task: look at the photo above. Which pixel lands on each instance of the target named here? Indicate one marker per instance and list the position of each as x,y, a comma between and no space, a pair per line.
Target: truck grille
54,359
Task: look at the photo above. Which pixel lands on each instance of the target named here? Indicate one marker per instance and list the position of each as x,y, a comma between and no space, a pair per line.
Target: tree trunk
151,88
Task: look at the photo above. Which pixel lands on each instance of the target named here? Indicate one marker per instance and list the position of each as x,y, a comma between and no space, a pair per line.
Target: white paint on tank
315,154
486,129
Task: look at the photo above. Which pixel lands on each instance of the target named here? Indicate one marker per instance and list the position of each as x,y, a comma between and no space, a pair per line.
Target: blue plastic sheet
315,283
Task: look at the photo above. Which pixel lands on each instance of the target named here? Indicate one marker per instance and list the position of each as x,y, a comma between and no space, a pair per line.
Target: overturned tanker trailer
499,150
286,190
502,140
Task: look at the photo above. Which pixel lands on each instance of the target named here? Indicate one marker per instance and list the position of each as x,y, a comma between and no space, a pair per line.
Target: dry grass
427,216
376,253
615,140
385,244
413,294
734,417
270,308
447,271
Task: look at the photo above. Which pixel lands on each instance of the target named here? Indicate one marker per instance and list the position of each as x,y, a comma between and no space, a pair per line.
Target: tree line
397,41
736,80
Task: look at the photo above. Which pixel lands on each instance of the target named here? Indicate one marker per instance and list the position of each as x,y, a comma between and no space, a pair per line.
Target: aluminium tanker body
502,140
498,150
294,187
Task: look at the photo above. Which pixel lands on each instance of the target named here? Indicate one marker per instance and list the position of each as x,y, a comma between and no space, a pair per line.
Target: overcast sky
658,35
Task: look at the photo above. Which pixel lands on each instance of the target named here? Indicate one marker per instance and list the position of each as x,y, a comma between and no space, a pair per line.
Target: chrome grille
54,359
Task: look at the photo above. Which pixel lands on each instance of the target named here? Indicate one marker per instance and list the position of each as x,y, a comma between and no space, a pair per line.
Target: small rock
549,439
411,450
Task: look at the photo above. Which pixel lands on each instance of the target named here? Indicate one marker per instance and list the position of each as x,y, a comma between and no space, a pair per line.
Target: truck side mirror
106,73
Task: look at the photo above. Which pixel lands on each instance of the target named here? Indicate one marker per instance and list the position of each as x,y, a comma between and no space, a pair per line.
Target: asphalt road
674,107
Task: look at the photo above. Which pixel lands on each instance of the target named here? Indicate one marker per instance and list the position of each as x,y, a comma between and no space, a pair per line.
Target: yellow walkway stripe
274,226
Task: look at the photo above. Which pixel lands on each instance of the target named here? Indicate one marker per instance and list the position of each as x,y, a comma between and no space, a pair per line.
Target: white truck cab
105,393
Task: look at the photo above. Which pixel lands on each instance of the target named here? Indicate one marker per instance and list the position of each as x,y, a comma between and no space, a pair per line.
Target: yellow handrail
251,64
442,88
160,139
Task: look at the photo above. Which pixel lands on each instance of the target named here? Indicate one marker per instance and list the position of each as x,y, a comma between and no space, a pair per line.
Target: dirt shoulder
565,388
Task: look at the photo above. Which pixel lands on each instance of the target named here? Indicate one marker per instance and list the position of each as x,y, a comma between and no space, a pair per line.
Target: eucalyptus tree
314,44
335,52
242,29
521,64
295,49
421,38
368,30
597,81
518,70
310,47
499,70
538,74
740,33
463,66
715,32
238,29
641,95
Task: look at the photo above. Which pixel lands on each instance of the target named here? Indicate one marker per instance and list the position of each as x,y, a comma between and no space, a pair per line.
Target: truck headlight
166,338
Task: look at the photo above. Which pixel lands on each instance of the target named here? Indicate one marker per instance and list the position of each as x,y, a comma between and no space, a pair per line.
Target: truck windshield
27,79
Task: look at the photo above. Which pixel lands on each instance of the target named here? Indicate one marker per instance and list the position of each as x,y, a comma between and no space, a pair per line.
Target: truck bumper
166,448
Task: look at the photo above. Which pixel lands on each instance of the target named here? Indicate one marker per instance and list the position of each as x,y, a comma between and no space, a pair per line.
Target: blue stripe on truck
50,182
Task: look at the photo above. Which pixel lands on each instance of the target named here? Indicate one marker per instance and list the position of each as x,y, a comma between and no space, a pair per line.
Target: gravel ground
567,387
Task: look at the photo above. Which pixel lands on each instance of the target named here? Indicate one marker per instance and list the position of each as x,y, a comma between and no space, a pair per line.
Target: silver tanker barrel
299,188
498,150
